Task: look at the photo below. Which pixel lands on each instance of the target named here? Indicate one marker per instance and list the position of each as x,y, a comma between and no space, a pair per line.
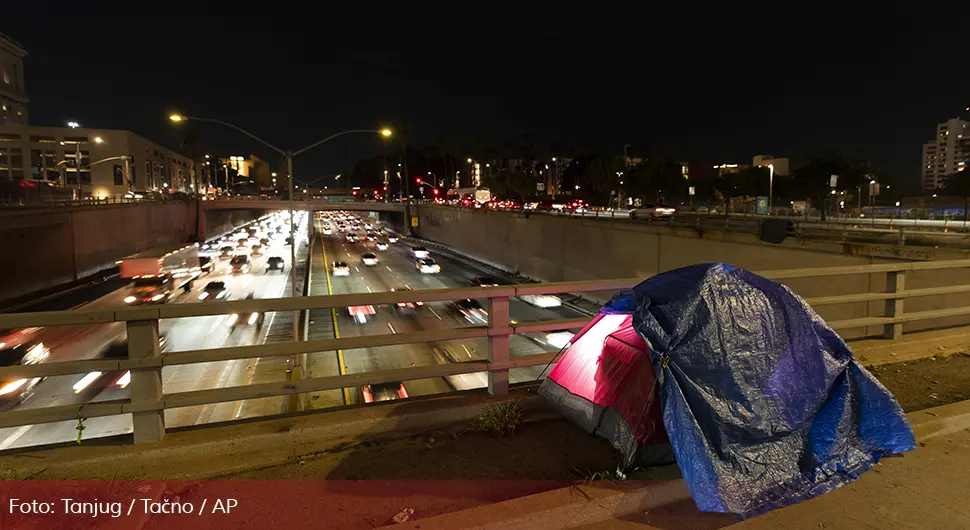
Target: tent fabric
764,404
603,383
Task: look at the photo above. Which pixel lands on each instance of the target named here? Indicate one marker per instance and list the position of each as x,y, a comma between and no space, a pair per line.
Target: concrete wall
217,222
553,249
48,248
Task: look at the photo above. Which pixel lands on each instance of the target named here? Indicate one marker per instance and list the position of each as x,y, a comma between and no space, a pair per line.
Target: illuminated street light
897,203
273,174
469,160
386,132
176,118
73,124
98,140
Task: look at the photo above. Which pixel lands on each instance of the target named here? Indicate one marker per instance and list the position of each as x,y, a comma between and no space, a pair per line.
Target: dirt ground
929,382
543,450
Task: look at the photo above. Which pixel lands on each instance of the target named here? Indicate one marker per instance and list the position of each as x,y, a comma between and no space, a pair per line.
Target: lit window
6,77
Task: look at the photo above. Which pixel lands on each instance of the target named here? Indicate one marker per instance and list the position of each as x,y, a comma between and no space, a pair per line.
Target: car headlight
252,318
130,299
203,295
157,297
232,319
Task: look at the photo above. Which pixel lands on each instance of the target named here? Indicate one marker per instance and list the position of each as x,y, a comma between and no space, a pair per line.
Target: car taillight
402,392
368,397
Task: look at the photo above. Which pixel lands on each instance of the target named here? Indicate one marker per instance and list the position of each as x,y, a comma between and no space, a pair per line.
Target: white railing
148,402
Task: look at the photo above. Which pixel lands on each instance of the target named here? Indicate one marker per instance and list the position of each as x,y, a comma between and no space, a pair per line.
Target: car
371,236
214,291
405,306
342,227
368,226
95,382
30,351
384,392
257,250
264,241
360,313
242,242
327,231
351,238
542,300
206,264
419,252
339,268
427,266
226,252
483,281
246,319
392,238
649,211
240,263
369,259
470,310
559,339
275,263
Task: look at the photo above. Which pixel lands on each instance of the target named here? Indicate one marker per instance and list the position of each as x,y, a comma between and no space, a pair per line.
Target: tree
601,176
812,179
656,179
958,184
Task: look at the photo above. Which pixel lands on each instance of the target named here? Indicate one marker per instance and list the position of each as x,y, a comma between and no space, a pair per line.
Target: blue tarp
764,404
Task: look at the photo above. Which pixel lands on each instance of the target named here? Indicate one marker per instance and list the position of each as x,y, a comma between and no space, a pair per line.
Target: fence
148,402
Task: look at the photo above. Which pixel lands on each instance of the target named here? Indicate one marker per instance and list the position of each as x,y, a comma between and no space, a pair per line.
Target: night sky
717,85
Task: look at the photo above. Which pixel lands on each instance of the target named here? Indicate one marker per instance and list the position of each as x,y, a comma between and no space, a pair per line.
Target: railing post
146,383
498,345
895,282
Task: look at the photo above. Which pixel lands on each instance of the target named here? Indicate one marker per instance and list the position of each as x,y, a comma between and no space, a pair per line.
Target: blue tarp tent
764,404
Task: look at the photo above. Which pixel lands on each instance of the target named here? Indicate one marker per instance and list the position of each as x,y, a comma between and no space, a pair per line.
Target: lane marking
249,379
388,268
368,289
336,329
435,313
391,328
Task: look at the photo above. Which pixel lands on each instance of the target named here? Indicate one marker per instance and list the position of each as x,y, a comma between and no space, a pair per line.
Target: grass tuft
501,419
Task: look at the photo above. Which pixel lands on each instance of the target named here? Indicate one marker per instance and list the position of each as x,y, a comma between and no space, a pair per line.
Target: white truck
157,274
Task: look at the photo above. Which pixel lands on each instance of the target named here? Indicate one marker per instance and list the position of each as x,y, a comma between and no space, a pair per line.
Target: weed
500,419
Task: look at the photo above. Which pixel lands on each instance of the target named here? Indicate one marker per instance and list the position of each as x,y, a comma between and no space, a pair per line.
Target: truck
157,274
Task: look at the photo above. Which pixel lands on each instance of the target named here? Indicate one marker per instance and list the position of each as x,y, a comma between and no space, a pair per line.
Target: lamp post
771,185
178,118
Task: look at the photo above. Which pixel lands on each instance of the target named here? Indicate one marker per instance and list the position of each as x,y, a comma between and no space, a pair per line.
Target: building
30,152
13,90
729,169
948,153
254,169
778,165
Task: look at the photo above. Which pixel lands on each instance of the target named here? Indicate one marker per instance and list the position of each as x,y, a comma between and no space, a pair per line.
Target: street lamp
178,118
771,185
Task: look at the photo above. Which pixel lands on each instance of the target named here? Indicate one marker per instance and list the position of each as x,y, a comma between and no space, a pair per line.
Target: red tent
604,383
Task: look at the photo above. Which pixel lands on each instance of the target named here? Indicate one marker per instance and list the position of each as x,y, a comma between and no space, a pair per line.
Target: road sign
833,181
761,206
690,190
540,186
414,221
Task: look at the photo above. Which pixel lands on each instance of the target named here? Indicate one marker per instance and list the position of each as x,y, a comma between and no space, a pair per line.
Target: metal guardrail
148,402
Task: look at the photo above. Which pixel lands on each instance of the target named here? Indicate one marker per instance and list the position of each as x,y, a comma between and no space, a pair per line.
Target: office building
780,166
13,91
31,152
946,154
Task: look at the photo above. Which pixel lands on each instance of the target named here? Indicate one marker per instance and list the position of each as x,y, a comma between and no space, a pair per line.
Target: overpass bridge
310,205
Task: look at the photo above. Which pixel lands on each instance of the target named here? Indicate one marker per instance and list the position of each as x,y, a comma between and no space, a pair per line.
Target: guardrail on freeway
148,402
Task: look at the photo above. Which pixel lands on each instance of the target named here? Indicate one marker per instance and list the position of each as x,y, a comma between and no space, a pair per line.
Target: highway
396,269
180,334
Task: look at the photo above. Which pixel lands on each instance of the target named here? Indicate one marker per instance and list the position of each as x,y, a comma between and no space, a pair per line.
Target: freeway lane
180,334
395,270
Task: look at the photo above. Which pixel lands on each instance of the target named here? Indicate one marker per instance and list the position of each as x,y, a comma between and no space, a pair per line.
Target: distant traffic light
354,193
385,188
436,191
418,180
